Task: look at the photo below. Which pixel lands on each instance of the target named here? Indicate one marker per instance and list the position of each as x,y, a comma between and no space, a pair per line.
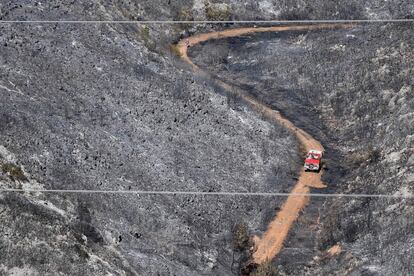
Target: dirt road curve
267,247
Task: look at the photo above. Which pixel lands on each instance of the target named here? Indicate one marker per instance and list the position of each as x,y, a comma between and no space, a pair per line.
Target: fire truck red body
313,160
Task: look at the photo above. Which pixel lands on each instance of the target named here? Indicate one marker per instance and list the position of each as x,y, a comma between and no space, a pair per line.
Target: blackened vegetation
24,207
241,245
83,254
96,106
366,156
85,226
241,237
105,113
339,227
265,269
352,91
14,171
325,9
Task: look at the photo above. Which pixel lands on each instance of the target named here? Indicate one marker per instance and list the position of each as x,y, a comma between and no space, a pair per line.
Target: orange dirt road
267,247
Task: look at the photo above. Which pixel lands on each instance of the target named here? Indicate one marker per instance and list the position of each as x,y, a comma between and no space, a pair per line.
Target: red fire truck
313,160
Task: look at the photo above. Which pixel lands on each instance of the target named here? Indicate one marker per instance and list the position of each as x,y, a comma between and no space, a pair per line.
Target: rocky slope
353,89
90,107
108,107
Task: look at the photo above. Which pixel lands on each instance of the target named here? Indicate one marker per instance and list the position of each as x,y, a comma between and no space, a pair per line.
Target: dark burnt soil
90,107
299,108
102,107
352,90
302,243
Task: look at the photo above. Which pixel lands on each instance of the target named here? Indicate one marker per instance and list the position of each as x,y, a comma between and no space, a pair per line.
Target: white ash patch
404,192
32,185
269,8
19,271
7,155
338,47
393,157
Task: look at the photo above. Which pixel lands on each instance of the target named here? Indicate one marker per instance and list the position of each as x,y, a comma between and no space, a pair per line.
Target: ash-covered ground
85,107
109,107
353,89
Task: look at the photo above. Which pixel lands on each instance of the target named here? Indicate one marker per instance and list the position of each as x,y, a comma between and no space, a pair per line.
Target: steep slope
355,88
272,241
90,107
105,107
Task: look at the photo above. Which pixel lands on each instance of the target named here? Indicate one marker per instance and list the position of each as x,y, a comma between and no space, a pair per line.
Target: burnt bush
266,269
186,14
241,239
217,13
370,155
82,253
327,236
14,171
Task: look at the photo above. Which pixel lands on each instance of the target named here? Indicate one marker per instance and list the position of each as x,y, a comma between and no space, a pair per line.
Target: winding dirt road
268,246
